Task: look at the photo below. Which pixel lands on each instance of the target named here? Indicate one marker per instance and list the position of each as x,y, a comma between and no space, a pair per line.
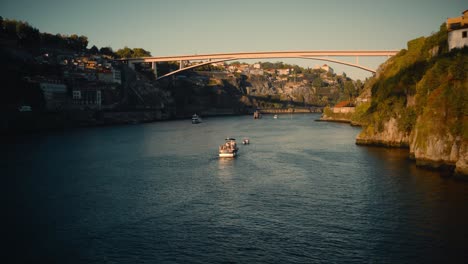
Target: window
76,94
464,34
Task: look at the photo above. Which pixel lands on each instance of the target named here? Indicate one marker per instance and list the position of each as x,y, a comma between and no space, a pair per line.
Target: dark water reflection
302,192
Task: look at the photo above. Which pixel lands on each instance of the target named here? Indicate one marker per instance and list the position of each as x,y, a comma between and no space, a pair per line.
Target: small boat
257,114
196,119
228,149
275,116
246,141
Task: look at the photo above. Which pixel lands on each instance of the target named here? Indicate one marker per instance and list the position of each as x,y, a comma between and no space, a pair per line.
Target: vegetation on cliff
423,79
425,90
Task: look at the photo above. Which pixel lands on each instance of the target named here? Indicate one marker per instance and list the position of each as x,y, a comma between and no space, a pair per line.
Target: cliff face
461,167
439,138
390,136
420,101
437,151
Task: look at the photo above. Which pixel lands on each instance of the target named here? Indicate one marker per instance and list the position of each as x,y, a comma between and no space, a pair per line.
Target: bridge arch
322,55
297,57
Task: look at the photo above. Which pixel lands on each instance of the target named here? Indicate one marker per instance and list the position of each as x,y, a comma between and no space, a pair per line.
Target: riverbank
31,122
339,115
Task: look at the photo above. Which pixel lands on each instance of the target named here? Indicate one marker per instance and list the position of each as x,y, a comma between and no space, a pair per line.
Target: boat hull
228,155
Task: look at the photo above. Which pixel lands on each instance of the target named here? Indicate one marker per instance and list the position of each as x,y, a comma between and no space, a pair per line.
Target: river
301,192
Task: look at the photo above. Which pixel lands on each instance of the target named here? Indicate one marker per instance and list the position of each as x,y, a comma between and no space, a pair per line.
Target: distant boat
257,114
246,141
196,119
275,116
228,149
25,108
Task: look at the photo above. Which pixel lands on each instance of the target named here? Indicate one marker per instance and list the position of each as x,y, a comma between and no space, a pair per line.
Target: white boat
228,149
196,119
275,116
246,141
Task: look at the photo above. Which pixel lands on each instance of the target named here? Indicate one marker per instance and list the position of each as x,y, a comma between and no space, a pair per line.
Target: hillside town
95,82
85,82
58,80
64,76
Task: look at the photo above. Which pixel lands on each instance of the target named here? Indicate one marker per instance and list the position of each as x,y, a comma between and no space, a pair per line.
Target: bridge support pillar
131,65
181,64
155,69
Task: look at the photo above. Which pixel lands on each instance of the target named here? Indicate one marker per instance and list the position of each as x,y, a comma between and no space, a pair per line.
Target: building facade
457,28
55,94
87,97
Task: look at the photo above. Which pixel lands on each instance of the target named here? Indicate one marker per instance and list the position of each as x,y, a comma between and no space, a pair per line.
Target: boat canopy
229,138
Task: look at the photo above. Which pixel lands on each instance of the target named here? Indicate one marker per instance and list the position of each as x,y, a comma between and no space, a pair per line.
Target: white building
327,68
283,71
117,76
256,72
55,94
324,67
457,28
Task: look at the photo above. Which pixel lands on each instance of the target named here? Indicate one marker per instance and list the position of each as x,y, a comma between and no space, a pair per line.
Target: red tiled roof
342,104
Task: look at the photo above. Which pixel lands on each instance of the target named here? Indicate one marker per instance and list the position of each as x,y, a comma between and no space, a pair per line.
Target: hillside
57,81
420,101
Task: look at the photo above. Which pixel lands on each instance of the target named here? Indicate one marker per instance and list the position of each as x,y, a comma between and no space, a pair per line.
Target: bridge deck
268,55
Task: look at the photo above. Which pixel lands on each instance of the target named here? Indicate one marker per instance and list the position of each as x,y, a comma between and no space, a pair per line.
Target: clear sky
183,27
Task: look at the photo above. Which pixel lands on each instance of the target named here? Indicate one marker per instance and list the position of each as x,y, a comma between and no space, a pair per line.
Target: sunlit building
324,67
457,28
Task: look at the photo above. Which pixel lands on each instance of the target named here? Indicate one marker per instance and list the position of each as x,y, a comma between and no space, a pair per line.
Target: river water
301,192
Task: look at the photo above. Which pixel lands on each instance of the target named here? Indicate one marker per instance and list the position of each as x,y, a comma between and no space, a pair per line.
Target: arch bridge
206,59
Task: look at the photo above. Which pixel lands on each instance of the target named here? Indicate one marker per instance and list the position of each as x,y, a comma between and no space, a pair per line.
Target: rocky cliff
389,136
440,135
420,101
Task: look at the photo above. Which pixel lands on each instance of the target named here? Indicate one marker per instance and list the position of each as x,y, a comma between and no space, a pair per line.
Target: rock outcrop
390,136
461,166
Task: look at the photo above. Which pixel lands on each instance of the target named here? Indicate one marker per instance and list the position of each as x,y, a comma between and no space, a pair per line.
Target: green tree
139,52
317,82
94,50
350,89
106,51
72,41
126,52
10,27
26,34
82,42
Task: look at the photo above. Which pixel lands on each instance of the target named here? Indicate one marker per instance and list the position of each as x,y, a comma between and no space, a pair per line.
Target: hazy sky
182,27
